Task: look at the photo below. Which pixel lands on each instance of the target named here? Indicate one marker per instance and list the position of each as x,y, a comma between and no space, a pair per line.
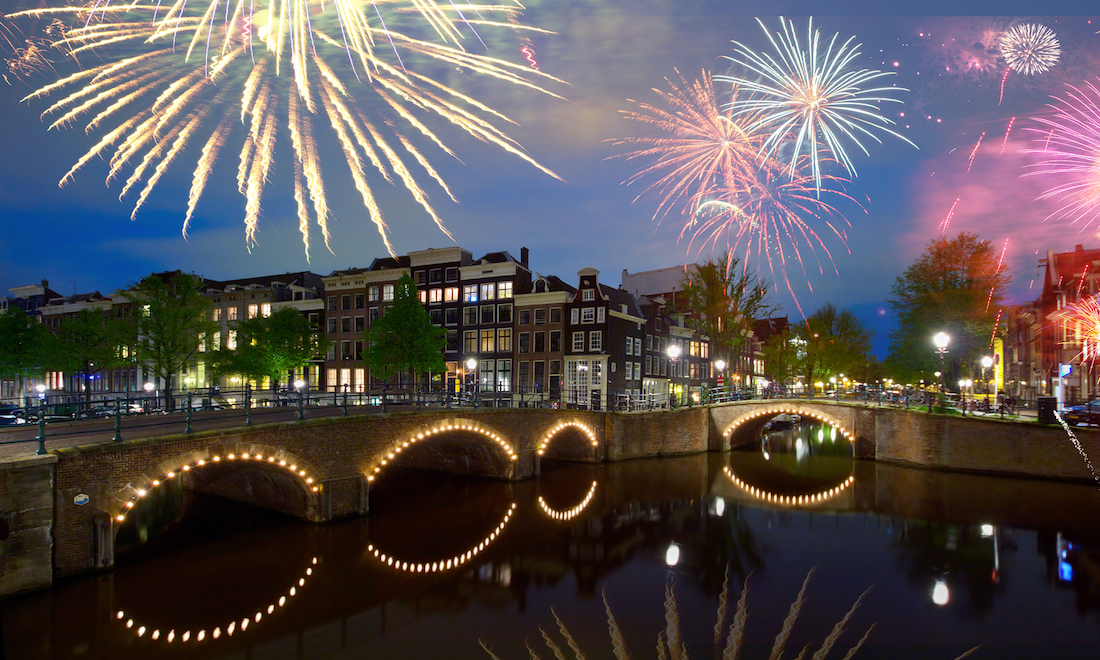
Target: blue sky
81,237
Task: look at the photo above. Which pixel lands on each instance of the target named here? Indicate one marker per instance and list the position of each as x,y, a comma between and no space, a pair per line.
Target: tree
270,347
834,342
85,343
722,305
404,340
21,346
956,286
170,322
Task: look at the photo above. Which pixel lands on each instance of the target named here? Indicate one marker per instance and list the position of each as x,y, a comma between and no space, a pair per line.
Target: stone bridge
64,510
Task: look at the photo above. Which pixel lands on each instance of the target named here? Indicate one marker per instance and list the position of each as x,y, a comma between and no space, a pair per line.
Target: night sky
81,237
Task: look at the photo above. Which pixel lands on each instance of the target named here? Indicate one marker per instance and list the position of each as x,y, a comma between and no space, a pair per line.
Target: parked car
1085,413
7,419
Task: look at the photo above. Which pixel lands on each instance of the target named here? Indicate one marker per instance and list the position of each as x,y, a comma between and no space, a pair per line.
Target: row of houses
513,336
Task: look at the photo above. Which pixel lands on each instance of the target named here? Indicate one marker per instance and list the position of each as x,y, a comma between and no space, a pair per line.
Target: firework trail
814,92
975,152
171,72
950,214
1000,263
1003,79
1008,130
1069,153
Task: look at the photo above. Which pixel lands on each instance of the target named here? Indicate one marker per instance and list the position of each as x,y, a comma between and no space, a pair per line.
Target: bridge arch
435,430
443,564
553,433
757,413
256,455
789,499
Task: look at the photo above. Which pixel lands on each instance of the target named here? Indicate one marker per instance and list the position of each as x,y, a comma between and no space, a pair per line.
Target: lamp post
471,375
300,385
720,366
673,353
941,340
987,363
148,387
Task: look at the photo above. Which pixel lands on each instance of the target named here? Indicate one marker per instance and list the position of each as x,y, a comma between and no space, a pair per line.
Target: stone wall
26,523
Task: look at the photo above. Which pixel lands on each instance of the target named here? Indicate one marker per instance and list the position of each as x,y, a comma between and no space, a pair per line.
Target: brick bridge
323,469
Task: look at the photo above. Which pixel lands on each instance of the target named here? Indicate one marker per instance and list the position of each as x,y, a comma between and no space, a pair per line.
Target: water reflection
953,560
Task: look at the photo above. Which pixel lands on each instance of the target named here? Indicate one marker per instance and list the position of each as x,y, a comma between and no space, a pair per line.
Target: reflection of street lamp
673,353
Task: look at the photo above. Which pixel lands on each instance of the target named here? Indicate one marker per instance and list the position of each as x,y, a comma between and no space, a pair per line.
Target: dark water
1018,563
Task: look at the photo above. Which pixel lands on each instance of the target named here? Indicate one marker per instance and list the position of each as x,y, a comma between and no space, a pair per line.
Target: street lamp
941,340
987,363
673,353
720,366
471,374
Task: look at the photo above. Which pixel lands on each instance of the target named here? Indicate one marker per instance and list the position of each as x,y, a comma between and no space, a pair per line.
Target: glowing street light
673,353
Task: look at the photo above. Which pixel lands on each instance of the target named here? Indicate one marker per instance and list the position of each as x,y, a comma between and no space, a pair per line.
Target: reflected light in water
442,565
571,513
793,500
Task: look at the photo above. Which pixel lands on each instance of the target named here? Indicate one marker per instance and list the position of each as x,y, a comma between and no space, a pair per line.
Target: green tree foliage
723,305
404,340
956,286
171,319
21,346
781,358
270,347
832,342
87,342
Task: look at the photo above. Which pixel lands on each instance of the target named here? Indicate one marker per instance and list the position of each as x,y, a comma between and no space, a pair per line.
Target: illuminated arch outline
373,470
217,632
802,412
554,431
454,562
571,513
789,500
293,468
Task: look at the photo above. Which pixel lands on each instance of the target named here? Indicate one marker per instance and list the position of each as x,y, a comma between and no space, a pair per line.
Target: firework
1070,152
813,91
1030,48
1082,319
218,73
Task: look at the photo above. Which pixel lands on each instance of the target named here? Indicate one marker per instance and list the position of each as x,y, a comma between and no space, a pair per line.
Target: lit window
504,290
231,314
435,296
253,310
469,293
469,341
231,340
450,294
265,309
373,293
423,297
504,340
488,338
217,313
488,291
387,293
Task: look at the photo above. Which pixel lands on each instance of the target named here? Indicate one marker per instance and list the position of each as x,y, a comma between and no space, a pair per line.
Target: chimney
524,253
45,284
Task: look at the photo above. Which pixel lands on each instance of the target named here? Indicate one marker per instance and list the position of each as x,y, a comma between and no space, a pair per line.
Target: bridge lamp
673,353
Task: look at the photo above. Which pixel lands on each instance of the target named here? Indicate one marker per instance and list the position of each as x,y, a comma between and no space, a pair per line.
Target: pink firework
1070,153
1083,317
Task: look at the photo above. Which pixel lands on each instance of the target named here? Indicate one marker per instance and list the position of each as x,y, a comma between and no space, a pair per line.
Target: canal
938,563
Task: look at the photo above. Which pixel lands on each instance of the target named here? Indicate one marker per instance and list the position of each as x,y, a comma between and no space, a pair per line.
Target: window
555,341
578,342
600,315
451,316
423,297
469,342
452,341
332,325
452,274
345,350
540,374
469,293
332,303
574,316
648,343
421,276
504,290
540,317
488,314
436,316
504,340
360,301
630,371
450,294
525,317
629,346
524,342
265,309
504,313
588,315
231,340
387,293
359,353
488,341
523,375
638,370
555,367
314,321
345,324
540,342
555,315
588,294
504,375
595,341
217,341
469,315
435,276
231,313
372,293
331,355
648,364
488,291
638,346
345,302
253,310
372,315
217,313
435,296
359,327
